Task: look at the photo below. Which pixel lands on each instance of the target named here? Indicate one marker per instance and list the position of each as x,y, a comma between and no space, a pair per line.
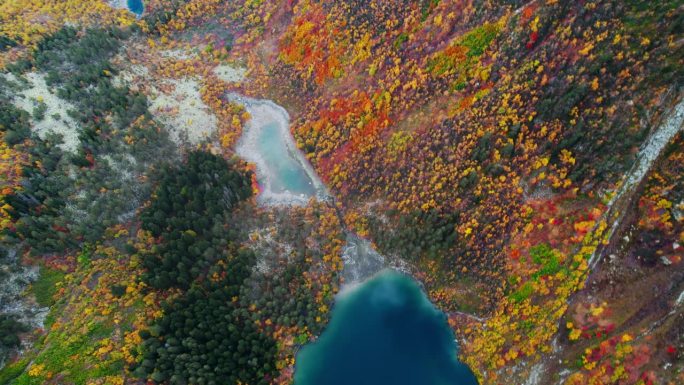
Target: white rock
193,121
64,125
230,74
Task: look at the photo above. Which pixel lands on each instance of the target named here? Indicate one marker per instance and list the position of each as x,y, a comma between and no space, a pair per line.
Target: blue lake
384,332
287,173
135,6
283,172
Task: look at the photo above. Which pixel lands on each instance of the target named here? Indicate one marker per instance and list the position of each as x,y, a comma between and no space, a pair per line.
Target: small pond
283,173
135,6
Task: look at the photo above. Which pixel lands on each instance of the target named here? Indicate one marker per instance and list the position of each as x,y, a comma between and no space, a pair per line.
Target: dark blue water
385,332
135,6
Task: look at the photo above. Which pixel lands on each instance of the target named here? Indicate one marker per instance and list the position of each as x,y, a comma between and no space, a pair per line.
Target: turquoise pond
135,6
384,331
286,174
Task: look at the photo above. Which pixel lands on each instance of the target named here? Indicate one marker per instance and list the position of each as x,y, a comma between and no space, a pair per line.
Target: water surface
385,331
289,176
135,6
283,173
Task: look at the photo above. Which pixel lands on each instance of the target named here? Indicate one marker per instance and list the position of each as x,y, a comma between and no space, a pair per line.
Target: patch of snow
183,112
64,125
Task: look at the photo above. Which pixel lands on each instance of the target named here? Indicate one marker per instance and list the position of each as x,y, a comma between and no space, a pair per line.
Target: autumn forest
522,160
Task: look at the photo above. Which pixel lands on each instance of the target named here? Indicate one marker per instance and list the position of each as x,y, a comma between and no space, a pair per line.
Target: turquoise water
286,174
135,6
385,332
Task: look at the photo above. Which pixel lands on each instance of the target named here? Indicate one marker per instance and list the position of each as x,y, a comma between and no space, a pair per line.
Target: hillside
523,160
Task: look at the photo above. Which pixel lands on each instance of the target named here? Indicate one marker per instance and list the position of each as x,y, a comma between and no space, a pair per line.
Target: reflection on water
283,173
287,173
385,331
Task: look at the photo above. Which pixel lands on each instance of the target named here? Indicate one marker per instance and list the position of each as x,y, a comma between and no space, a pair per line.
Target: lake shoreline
363,267
396,332
126,4
263,112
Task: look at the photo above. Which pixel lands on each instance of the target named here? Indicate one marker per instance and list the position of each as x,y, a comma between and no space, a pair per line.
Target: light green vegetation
46,286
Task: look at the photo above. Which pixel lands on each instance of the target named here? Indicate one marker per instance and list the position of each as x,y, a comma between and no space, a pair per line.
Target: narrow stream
383,329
